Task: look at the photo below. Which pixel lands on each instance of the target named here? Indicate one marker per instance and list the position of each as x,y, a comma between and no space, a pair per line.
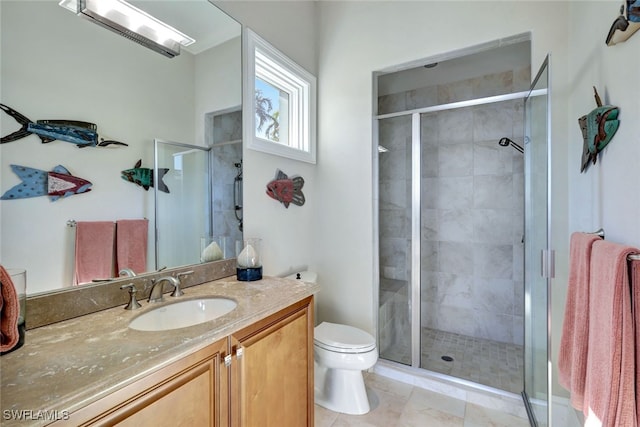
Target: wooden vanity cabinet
260,376
189,392
272,371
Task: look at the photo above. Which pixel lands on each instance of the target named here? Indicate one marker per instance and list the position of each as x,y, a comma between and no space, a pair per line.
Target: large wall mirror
56,65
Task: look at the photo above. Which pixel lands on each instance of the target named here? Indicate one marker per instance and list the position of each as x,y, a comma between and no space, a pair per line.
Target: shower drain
447,358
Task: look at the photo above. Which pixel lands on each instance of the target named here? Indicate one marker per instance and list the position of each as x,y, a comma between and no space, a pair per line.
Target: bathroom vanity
250,367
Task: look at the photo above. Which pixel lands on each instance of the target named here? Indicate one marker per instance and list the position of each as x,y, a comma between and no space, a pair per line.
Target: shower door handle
548,263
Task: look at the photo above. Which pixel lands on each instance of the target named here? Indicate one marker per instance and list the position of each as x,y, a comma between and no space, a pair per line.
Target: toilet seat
343,338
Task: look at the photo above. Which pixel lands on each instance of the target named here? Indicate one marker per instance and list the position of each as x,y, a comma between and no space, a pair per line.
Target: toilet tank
305,276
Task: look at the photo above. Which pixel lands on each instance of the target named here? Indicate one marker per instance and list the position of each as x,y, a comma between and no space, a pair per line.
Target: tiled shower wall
472,212
226,152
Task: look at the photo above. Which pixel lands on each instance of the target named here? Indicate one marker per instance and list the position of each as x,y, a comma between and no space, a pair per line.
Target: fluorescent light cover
131,22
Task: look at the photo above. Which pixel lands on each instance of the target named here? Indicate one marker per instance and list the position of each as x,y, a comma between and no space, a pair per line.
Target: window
280,102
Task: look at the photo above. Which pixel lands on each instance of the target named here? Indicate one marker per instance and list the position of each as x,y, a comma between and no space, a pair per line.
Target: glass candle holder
249,261
212,248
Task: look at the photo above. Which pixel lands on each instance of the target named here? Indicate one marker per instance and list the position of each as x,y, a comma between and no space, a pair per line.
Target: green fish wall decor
144,176
598,128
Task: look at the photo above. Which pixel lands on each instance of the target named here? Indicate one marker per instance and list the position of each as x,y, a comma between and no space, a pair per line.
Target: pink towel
94,251
635,292
9,312
572,357
131,244
609,395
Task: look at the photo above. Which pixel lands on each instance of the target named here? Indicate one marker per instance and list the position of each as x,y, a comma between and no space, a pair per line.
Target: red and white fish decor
286,189
56,183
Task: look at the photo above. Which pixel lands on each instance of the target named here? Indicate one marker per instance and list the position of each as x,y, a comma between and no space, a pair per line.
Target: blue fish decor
286,189
598,128
56,183
626,24
83,134
144,176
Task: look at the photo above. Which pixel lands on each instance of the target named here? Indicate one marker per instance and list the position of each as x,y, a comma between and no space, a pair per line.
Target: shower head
505,142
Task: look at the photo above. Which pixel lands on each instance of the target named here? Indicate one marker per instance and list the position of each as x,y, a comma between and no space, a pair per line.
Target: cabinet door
189,392
272,371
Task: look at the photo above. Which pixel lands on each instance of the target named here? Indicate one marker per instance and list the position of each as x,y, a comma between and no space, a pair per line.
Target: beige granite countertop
67,365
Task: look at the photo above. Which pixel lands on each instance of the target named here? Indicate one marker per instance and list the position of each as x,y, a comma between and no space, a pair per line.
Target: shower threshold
468,391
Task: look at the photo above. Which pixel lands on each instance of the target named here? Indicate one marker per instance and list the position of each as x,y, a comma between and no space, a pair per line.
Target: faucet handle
177,292
133,302
180,275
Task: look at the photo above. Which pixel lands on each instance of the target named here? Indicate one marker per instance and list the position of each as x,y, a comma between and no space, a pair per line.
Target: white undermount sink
182,314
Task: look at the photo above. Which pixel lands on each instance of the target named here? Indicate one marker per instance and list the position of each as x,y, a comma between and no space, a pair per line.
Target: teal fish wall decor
144,176
56,183
83,134
598,128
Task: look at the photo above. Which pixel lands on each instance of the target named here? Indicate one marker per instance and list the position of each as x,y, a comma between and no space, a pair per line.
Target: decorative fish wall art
144,176
56,183
598,128
625,25
83,134
286,190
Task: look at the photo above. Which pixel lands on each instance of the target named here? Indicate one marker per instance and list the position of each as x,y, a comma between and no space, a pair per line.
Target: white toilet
340,354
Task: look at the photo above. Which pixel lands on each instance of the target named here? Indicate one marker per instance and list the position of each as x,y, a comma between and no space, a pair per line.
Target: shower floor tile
492,363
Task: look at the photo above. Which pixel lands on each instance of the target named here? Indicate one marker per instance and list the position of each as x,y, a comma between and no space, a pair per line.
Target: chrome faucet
156,288
127,272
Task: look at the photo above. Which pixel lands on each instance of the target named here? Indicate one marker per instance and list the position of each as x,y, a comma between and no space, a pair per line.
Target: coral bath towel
131,244
9,312
609,395
94,250
572,358
635,291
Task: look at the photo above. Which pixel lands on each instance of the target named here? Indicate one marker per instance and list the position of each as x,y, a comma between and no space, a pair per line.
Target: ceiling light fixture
132,23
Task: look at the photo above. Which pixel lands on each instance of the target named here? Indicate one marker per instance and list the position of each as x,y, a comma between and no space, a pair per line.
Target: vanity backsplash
52,307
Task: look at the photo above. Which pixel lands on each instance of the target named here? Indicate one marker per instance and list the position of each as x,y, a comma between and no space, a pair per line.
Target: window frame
264,61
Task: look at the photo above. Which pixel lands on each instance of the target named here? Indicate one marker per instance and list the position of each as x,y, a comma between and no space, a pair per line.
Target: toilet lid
341,338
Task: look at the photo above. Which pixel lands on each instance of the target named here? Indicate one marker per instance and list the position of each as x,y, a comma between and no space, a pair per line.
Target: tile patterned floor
492,363
395,404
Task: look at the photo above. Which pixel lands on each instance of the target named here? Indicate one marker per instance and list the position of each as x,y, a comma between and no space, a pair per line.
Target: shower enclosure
451,227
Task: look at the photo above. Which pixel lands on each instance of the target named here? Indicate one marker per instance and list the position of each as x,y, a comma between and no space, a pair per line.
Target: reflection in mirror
183,211
132,94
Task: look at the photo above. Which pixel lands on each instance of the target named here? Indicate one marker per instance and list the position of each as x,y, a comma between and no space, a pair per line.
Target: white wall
357,38
607,195
288,234
218,82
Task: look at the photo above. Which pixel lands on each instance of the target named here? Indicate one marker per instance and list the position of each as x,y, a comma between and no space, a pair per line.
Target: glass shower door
538,257
182,187
395,228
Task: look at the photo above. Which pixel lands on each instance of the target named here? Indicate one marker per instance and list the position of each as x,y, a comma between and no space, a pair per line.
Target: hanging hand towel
94,250
609,395
9,312
572,358
131,244
635,296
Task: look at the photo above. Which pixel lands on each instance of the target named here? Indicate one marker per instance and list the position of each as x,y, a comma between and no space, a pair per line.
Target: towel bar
632,257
